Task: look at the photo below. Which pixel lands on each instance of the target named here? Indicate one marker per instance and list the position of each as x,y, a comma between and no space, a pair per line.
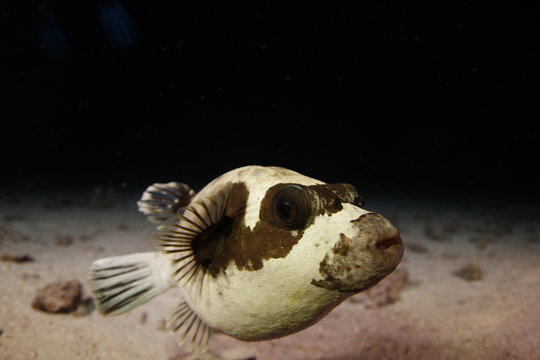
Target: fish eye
290,207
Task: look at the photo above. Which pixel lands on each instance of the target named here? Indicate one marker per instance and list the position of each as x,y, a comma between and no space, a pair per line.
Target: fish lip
388,242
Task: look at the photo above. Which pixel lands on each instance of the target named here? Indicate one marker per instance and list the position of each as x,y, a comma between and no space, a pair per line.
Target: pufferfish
259,253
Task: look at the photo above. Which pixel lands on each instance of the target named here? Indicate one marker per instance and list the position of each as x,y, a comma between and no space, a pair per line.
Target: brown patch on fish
229,241
342,247
246,247
331,197
330,282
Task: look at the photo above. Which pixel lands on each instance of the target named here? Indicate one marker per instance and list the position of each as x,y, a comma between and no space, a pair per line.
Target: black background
393,97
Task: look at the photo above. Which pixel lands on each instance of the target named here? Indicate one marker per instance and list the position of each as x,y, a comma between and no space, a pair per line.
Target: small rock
143,318
416,247
433,234
1,332
94,250
494,228
57,202
59,297
162,325
481,242
33,276
451,228
470,272
123,227
64,240
16,258
386,292
8,233
91,236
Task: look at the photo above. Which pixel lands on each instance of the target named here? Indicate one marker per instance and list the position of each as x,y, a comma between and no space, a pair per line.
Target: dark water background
395,98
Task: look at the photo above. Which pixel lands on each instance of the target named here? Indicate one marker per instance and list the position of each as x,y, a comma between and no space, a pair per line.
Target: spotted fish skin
263,252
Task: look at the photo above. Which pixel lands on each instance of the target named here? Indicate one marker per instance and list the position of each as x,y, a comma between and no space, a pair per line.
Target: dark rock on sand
143,318
18,258
416,247
59,297
481,242
433,234
9,234
64,240
470,272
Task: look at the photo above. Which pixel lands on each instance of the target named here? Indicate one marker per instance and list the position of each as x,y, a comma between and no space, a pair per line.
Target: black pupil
286,210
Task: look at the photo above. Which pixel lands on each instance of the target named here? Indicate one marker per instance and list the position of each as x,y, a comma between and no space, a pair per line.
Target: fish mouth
386,243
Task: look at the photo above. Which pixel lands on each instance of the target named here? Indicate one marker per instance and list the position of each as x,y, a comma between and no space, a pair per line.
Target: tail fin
122,283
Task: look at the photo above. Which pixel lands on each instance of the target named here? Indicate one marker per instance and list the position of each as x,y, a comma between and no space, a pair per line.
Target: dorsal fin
192,333
160,201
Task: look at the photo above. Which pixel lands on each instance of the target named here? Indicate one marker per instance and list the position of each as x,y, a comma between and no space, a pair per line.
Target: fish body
258,253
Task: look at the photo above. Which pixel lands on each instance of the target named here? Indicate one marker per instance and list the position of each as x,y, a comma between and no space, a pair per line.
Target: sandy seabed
443,312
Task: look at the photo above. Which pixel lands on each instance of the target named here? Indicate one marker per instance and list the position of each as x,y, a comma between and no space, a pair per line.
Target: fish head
352,247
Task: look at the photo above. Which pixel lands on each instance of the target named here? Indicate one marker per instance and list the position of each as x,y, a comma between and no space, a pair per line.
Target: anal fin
159,201
193,334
